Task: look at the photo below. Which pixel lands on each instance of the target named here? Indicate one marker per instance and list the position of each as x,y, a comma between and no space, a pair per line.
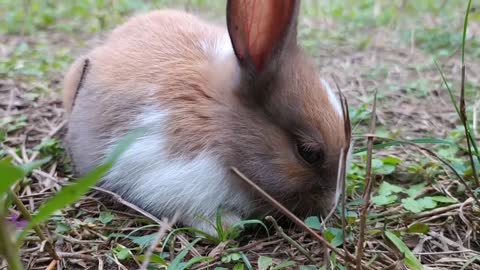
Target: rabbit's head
296,134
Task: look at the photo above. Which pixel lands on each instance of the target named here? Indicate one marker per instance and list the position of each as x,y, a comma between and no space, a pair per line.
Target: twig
463,114
158,238
292,242
69,255
132,206
52,265
368,186
440,210
292,217
253,245
342,168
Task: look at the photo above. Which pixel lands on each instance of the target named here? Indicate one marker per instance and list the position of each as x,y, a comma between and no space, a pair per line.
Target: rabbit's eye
309,155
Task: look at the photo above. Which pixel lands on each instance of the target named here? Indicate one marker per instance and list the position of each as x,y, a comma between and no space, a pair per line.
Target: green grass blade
247,262
195,260
210,238
396,143
154,258
410,260
71,193
465,23
10,175
29,167
457,110
449,90
176,263
219,227
246,222
66,196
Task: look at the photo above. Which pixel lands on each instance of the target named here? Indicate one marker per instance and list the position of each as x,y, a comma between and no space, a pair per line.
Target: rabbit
209,98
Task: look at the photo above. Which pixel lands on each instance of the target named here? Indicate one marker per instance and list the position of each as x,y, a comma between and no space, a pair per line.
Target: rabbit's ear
259,29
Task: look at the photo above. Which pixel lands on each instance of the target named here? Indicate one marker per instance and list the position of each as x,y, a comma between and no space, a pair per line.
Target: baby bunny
208,98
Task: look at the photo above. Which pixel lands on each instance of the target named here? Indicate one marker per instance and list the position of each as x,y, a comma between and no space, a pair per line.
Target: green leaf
264,262
238,266
62,228
10,175
417,206
153,258
144,240
418,228
427,202
386,169
391,160
283,265
236,256
444,199
122,253
28,168
106,217
384,199
313,222
376,163
412,205
71,193
334,236
387,188
415,189
410,260
220,268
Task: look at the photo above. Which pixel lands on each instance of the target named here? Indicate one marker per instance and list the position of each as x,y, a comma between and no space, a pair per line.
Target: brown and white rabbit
246,96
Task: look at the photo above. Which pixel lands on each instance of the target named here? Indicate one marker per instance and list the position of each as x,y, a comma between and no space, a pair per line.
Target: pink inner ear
258,26
267,24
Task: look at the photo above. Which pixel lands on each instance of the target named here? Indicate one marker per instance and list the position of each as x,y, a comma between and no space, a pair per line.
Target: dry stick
341,177
368,186
463,117
287,238
52,265
132,206
435,212
463,114
158,238
292,217
37,228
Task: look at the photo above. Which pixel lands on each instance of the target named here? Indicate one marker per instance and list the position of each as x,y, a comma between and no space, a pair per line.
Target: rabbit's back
164,60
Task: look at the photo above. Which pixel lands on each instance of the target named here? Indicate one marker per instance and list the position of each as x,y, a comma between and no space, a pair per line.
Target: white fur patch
332,98
161,184
220,48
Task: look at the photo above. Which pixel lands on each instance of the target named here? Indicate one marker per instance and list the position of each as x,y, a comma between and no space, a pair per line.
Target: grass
421,207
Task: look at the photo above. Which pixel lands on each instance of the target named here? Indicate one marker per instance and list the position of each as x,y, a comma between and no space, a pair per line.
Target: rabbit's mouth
315,204
304,204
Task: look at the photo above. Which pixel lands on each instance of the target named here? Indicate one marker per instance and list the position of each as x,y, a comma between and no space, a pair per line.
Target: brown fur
156,59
